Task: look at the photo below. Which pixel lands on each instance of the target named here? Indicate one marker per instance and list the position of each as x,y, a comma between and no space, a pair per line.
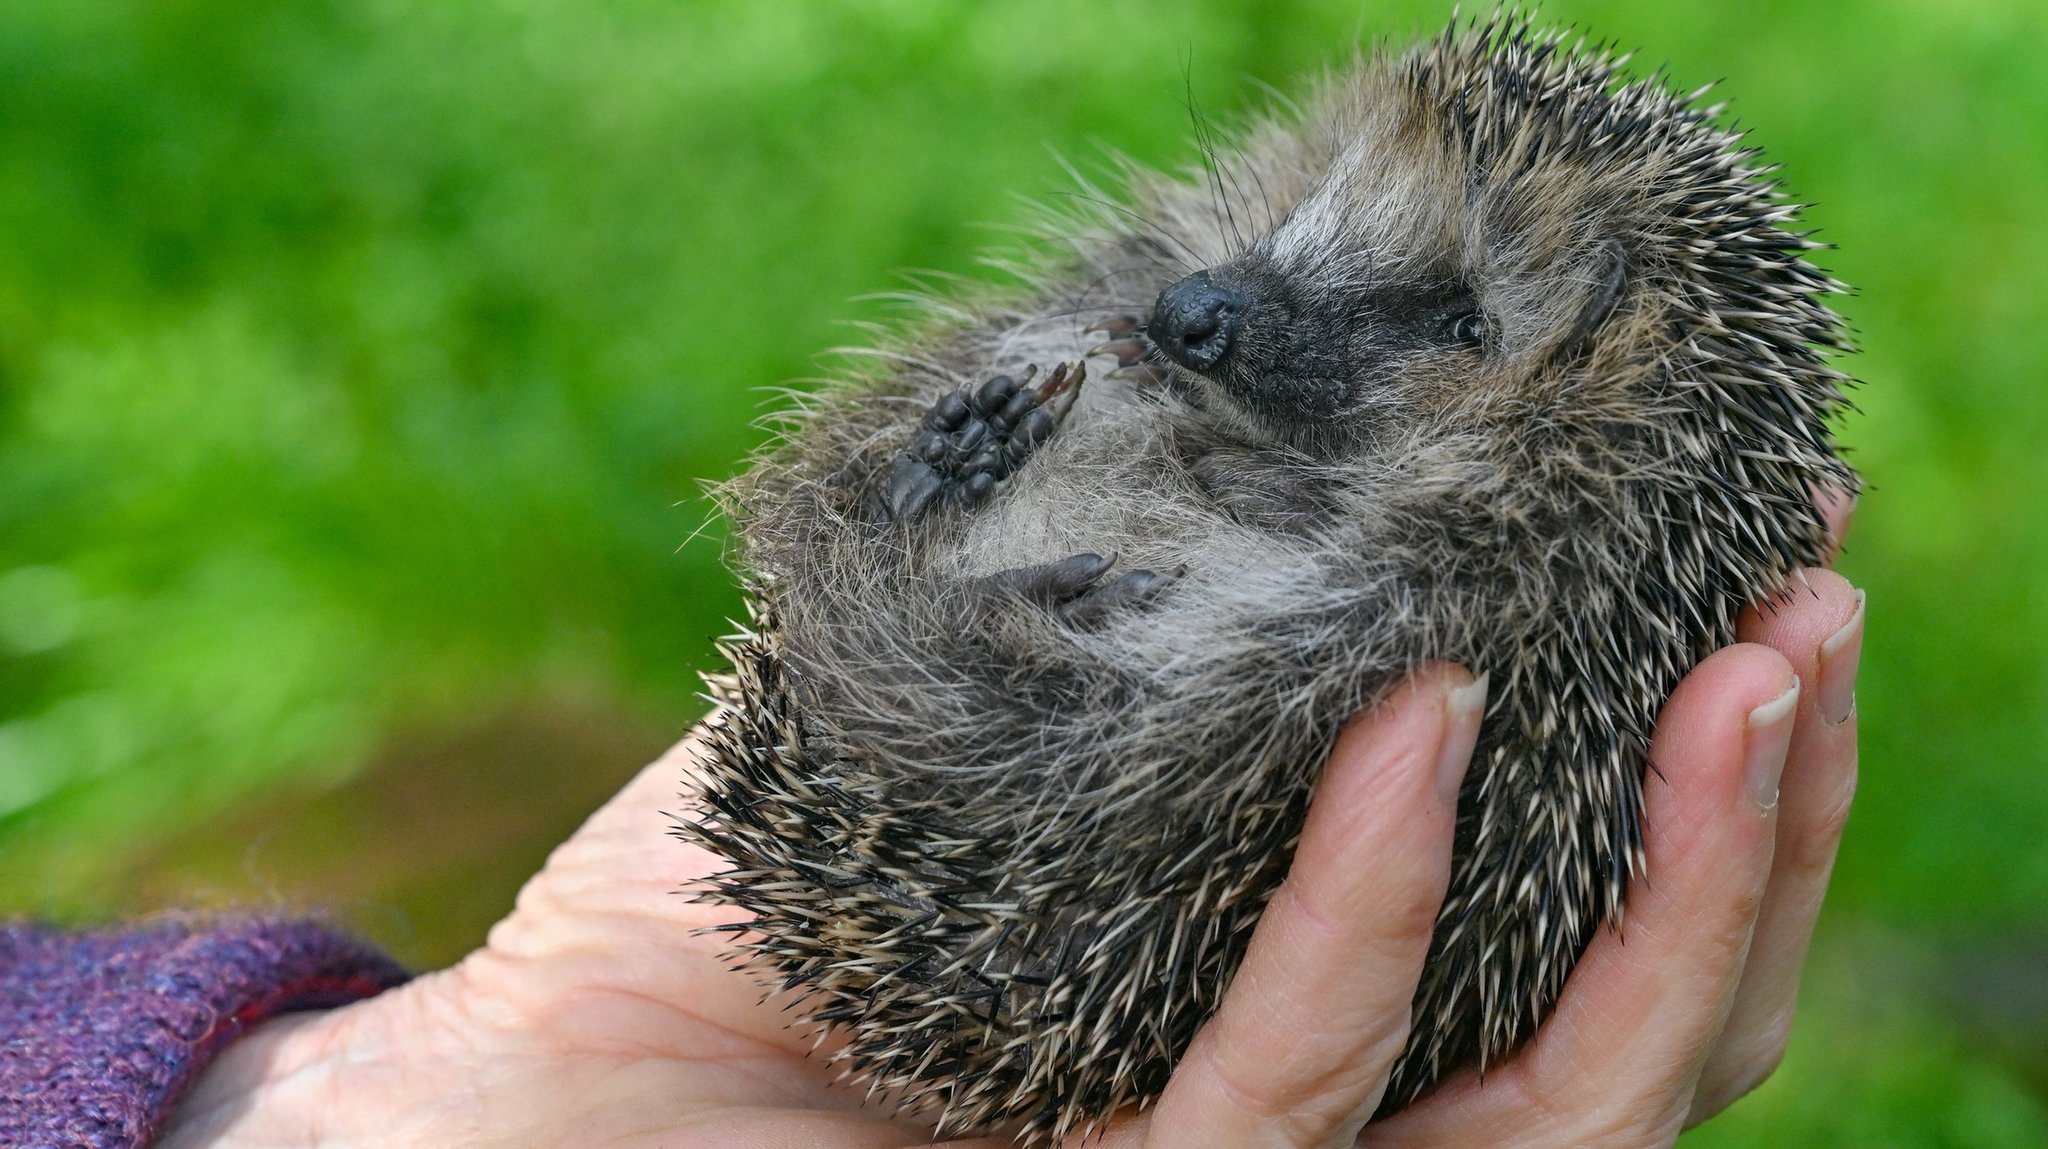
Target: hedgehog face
1298,353
1403,281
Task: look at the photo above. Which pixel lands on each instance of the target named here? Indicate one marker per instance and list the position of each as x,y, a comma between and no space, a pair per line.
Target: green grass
361,364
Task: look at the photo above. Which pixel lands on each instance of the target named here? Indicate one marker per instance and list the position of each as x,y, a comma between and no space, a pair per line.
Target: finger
1821,635
1299,1051
1619,1056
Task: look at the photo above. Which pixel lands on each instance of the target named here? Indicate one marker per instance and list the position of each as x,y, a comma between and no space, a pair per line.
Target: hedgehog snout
1196,320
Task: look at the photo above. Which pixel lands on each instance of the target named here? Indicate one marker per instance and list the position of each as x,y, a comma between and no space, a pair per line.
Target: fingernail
1839,656
1464,707
1770,736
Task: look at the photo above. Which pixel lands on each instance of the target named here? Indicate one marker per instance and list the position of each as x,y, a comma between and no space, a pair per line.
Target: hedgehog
1484,352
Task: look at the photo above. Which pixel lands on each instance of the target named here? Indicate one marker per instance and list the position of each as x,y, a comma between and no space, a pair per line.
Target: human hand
1661,1025
597,1015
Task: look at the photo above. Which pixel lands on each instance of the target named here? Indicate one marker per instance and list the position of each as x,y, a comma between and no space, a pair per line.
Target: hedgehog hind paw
1073,589
1131,591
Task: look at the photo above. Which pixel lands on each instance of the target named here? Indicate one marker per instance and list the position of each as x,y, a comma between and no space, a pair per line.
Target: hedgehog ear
1609,265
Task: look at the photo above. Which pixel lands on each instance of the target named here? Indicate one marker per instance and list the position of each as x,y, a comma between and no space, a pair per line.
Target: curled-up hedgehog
1484,353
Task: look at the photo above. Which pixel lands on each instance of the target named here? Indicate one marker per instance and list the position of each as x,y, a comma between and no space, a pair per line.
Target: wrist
337,1079
403,1069
239,1100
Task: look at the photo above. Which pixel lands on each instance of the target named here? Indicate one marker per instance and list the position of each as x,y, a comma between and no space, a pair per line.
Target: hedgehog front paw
1126,340
969,442
1072,588
1138,361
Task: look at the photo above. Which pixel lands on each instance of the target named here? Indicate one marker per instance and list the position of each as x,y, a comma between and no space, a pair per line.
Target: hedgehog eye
1469,330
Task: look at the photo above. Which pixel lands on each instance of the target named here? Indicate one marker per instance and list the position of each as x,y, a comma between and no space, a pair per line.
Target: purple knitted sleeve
101,1032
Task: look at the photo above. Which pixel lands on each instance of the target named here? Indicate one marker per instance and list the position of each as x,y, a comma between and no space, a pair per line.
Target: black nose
1196,320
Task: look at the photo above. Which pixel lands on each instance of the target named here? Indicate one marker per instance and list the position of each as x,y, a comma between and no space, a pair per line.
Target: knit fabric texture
101,1032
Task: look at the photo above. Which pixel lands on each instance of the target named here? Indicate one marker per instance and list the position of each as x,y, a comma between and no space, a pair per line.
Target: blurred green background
361,363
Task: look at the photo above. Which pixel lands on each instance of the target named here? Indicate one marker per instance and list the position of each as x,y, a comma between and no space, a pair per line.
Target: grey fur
1013,851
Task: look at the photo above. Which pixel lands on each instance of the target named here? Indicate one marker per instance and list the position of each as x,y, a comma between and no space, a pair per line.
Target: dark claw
1060,391
1127,351
978,486
1115,325
911,485
966,441
930,447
